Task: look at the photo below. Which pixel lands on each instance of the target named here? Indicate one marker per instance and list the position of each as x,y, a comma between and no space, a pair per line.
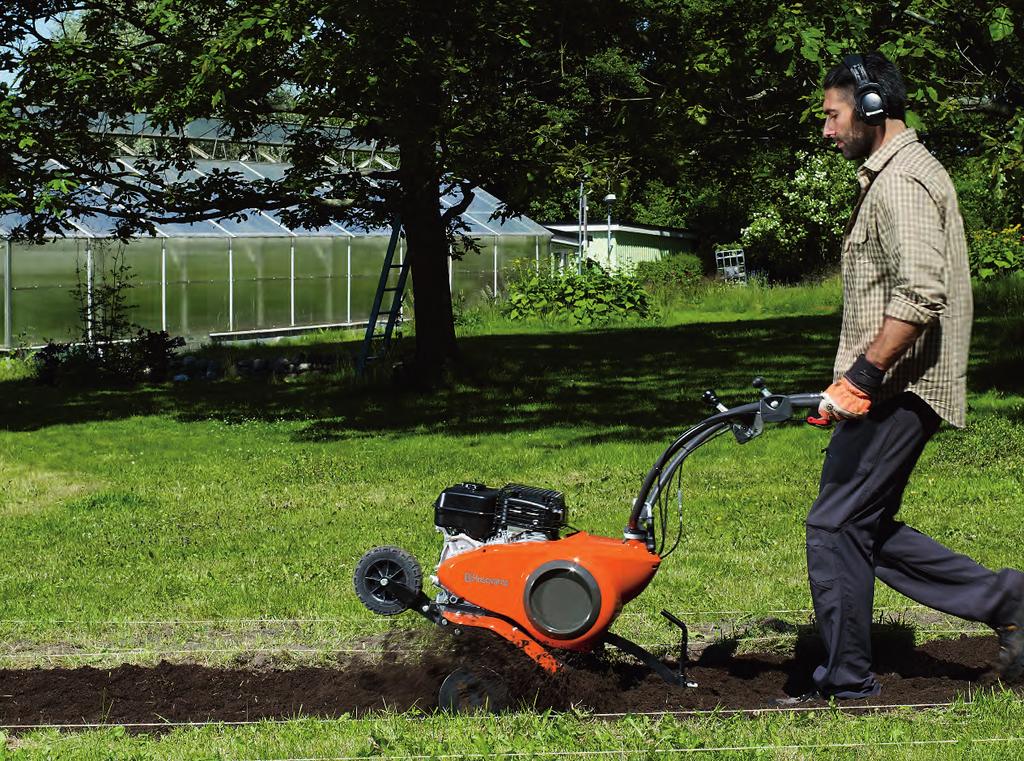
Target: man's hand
849,398
843,401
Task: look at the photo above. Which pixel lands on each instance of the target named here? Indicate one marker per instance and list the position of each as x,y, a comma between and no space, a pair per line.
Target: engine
471,515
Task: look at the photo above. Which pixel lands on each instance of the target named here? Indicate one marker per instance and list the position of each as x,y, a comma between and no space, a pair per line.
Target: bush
676,272
1000,296
797,230
996,253
592,297
147,355
984,203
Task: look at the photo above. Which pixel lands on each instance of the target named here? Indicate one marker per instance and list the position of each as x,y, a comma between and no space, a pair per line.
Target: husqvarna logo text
472,578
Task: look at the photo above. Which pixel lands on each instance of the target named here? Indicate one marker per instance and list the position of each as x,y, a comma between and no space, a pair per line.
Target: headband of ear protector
868,103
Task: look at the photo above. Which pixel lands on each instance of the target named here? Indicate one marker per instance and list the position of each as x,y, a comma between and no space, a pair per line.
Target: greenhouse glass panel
470,287
141,260
197,286
321,294
254,225
44,305
473,274
262,269
367,260
515,248
145,295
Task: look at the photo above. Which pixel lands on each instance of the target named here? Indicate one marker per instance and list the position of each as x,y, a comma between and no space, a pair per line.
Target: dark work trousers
852,537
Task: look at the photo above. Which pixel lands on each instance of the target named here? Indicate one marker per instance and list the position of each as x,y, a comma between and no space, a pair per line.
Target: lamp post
609,201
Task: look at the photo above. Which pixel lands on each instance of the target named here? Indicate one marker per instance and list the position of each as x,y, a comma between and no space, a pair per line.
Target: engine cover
481,512
565,592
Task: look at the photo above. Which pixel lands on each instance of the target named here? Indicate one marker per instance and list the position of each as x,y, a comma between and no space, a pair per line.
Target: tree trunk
428,252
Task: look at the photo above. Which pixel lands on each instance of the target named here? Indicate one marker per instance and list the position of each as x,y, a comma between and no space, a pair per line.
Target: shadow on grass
892,645
623,384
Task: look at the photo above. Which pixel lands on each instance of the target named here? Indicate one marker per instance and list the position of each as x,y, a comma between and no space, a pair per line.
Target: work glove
850,397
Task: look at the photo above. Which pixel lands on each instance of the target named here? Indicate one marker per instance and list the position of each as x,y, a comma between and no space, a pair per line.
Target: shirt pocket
863,243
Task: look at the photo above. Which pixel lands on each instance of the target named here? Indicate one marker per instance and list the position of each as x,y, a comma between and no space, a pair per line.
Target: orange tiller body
497,578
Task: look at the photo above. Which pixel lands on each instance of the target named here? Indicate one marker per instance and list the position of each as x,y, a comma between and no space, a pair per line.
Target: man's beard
858,143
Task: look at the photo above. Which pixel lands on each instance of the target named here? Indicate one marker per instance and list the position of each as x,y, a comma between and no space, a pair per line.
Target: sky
46,28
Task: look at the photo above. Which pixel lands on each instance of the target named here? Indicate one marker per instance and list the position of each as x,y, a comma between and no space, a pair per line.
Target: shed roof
599,227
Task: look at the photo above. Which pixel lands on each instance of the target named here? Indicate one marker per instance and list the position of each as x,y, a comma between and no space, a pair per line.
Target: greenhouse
234,278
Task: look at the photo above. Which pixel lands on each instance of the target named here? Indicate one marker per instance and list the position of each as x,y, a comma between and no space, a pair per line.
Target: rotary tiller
505,567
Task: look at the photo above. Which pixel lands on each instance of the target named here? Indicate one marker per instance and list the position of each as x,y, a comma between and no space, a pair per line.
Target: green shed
620,246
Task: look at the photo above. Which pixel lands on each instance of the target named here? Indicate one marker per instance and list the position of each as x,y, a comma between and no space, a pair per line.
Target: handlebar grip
805,400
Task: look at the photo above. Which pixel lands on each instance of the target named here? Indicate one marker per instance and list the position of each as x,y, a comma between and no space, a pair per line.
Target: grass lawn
197,521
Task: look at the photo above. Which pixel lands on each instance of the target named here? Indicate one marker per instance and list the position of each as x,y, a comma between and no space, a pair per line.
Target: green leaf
1001,25
783,43
914,121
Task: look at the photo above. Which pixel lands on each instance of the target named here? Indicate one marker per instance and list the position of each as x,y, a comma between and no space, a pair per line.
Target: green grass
711,301
987,727
202,507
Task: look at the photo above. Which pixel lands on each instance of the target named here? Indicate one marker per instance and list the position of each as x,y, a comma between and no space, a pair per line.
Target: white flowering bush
798,228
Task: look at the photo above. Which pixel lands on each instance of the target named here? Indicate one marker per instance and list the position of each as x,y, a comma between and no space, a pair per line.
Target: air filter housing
562,599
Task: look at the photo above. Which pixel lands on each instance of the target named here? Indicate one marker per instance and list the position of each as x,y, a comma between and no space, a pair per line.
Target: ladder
388,284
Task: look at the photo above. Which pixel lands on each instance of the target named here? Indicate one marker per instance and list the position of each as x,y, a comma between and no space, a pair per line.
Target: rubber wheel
468,691
379,568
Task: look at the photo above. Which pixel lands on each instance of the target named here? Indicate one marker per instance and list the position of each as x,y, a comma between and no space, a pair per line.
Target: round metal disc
466,691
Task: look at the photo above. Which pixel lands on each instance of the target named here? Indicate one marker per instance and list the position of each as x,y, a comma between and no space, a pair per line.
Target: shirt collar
881,157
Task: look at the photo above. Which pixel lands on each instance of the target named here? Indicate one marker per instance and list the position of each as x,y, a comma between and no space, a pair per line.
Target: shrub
1000,296
676,272
595,296
111,348
147,355
984,201
996,253
797,230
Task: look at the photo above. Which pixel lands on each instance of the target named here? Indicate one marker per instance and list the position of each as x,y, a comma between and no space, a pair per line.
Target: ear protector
868,103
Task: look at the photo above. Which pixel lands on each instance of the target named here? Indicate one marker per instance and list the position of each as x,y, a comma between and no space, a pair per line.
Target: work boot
1011,647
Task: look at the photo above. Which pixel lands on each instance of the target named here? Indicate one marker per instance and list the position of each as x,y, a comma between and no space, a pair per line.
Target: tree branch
467,198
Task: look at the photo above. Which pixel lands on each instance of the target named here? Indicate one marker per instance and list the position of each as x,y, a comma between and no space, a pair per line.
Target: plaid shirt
905,256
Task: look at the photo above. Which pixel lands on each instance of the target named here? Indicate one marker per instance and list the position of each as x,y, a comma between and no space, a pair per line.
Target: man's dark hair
882,72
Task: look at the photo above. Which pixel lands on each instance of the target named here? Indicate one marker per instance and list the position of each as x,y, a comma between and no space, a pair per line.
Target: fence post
163,284
231,287
292,280
88,289
8,293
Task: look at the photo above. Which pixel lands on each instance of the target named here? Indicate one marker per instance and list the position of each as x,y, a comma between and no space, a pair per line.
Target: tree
467,93
736,88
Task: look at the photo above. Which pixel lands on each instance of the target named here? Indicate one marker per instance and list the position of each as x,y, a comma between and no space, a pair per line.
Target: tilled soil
936,672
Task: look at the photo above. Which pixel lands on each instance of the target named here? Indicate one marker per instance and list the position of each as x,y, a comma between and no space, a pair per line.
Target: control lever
759,384
711,399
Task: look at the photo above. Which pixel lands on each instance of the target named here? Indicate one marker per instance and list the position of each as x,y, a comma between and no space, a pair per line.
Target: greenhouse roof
479,217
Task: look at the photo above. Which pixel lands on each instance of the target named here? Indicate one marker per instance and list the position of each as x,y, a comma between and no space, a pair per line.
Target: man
900,370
